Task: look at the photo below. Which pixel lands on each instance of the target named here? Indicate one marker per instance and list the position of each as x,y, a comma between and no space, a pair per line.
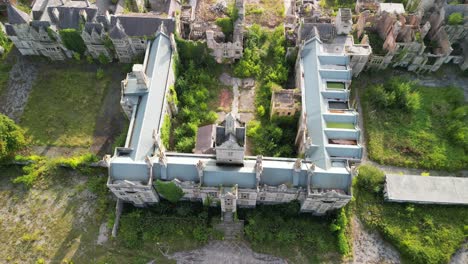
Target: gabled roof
117,32
10,31
142,25
16,16
96,26
70,17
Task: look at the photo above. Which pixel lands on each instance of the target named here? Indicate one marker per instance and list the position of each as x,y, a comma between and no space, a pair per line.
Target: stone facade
38,33
230,141
285,103
229,51
420,41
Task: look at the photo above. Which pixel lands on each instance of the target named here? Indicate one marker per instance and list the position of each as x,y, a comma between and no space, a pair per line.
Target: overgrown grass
5,67
423,138
181,227
422,233
268,13
281,231
63,106
340,125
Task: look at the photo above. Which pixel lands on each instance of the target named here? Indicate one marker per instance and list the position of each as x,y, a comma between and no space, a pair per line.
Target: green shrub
166,130
169,190
226,25
72,40
371,178
11,137
455,19
99,74
89,59
103,59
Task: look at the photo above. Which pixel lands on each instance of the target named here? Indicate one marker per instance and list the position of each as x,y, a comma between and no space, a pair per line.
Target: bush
99,74
455,19
103,59
72,40
166,130
226,25
395,94
370,178
11,137
169,190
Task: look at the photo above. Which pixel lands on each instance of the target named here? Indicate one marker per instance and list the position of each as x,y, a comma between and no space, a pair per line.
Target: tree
169,190
11,137
72,40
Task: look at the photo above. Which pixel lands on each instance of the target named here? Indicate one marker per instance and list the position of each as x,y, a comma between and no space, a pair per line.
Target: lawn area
281,231
431,135
424,234
340,125
63,106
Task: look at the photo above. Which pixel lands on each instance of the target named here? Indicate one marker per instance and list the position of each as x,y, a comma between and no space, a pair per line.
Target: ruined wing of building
120,36
419,37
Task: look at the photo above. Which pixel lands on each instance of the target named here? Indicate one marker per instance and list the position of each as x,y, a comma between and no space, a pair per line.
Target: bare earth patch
225,99
225,252
369,247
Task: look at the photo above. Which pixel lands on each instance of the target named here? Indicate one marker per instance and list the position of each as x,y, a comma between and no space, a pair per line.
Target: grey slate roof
16,16
205,139
69,17
117,32
10,31
96,26
138,26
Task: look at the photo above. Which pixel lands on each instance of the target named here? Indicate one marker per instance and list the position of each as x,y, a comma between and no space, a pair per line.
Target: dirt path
110,121
228,252
370,248
461,256
22,77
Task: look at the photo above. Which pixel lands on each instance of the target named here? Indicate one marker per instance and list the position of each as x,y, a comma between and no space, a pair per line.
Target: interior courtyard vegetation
196,84
413,126
423,234
265,60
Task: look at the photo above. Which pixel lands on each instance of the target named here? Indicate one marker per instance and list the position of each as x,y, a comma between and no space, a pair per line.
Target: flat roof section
426,189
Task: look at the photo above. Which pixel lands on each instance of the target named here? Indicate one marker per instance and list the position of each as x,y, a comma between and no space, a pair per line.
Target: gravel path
370,248
22,76
227,252
461,256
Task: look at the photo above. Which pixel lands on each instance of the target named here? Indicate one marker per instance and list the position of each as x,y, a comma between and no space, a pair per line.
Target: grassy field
58,219
422,233
63,106
419,139
281,231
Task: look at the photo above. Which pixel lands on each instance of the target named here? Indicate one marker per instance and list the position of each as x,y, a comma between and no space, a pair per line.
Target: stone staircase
232,229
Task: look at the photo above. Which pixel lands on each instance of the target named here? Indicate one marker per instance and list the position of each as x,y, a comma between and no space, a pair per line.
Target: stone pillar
258,169
200,168
296,171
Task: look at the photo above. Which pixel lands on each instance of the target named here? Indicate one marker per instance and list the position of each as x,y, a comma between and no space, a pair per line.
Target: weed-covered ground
422,233
281,231
63,106
431,136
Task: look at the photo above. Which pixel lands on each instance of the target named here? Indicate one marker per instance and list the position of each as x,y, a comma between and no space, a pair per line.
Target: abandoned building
421,40
38,33
228,176
285,102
